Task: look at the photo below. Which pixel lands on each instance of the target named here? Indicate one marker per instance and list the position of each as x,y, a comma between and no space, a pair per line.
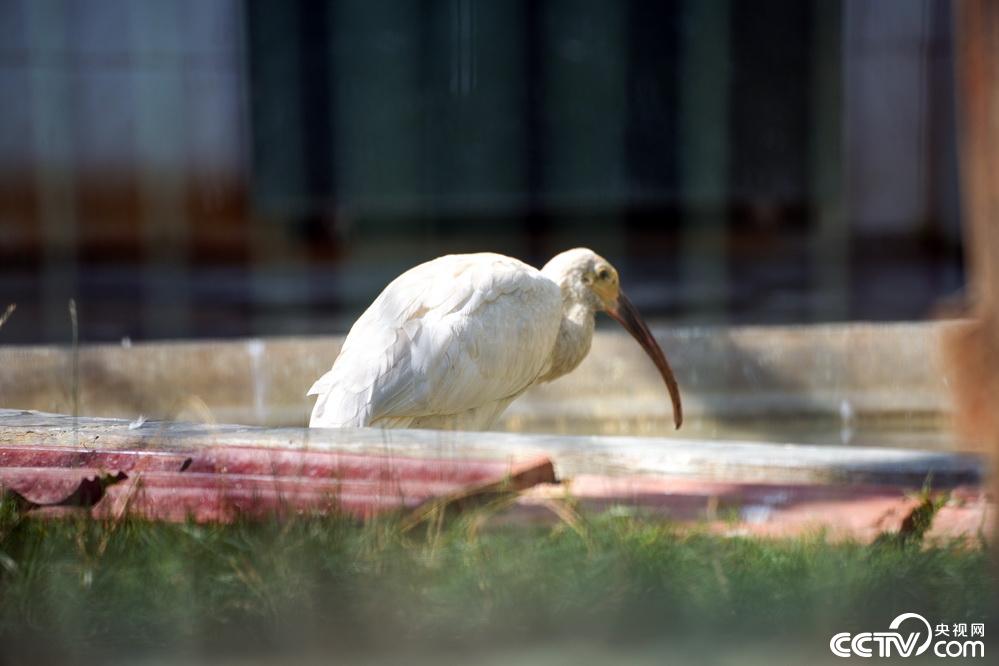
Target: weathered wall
856,369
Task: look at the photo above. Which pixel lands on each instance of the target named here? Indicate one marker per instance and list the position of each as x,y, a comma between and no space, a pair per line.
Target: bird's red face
604,283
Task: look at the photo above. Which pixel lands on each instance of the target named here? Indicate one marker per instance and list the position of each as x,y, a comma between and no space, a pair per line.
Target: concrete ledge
857,370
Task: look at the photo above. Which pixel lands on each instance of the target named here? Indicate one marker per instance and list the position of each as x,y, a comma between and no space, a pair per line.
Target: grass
326,585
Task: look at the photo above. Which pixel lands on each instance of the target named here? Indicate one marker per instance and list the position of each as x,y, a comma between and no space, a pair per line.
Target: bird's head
586,278
590,280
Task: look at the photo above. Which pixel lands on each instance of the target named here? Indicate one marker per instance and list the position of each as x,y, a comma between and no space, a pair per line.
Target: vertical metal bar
704,155
281,194
157,69
55,177
585,104
830,234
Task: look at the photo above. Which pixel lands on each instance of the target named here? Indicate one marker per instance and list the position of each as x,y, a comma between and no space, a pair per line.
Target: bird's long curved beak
627,315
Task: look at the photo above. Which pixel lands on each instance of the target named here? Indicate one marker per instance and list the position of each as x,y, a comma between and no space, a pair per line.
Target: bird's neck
573,342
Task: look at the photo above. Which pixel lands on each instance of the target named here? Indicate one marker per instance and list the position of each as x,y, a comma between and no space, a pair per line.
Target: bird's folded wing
445,337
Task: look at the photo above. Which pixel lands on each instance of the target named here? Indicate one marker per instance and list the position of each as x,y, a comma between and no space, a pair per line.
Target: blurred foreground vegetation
72,589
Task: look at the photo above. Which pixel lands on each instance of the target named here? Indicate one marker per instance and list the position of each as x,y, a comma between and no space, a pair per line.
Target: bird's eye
603,275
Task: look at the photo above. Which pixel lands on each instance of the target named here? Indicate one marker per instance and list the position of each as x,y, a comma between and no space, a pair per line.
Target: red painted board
697,499
272,462
292,484
329,464
53,485
209,497
178,504
854,512
220,483
63,456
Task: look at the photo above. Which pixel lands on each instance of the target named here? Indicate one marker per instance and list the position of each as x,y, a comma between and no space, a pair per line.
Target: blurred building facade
217,167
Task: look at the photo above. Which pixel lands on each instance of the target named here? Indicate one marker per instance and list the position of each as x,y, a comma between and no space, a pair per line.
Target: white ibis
451,343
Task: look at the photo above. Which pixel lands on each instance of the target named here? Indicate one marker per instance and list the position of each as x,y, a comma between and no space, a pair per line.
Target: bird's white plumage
448,344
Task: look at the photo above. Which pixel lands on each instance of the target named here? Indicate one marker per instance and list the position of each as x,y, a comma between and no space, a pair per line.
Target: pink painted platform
224,483
839,512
